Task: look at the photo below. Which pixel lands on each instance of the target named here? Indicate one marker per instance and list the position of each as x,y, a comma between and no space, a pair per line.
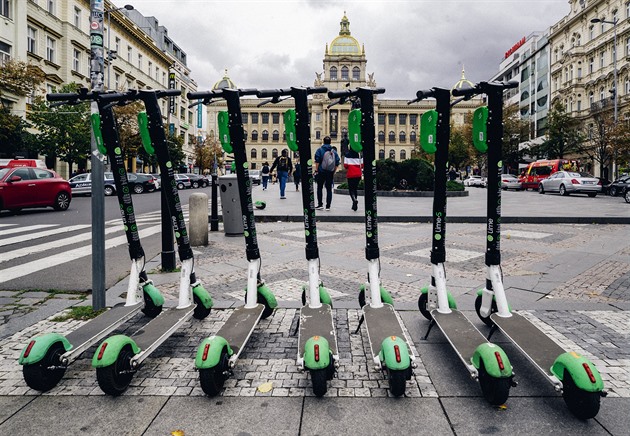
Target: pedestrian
297,173
283,163
265,175
326,162
452,174
353,163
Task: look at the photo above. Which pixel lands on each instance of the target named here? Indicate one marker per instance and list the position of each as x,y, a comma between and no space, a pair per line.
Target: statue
318,80
371,82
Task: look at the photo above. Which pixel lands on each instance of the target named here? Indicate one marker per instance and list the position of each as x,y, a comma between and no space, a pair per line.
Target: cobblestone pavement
584,267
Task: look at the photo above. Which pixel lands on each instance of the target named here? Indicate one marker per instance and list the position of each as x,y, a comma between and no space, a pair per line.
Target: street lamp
111,54
614,90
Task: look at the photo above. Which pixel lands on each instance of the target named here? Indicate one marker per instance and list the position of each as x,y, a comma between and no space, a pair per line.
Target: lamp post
614,90
111,54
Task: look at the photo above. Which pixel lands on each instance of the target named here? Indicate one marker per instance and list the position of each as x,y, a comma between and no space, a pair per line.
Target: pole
168,239
109,47
96,160
615,90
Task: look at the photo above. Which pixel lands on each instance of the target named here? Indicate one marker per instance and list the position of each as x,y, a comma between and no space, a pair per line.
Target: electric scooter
218,354
317,338
119,357
487,363
391,351
570,373
46,358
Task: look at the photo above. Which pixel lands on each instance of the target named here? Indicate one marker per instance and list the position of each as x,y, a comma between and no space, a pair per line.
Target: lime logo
169,164
246,165
121,171
307,233
117,150
490,238
246,234
310,162
126,228
126,190
374,163
134,228
130,209
500,164
369,234
305,210
437,236
438,214
177,235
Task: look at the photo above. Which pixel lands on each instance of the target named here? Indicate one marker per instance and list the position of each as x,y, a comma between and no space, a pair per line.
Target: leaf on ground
177,433
265,387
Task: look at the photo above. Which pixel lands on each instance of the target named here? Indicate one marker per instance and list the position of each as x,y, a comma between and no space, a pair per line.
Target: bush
452,185
410,174
344,185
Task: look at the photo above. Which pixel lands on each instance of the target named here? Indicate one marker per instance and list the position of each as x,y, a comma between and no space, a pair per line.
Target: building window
31,40
627,46
602,96
5,53
381,136
391,118
344,73
392,136
274,153
5,8
254,135
117,81
318,116
318,134
392,154
253,154
591,65
139,61
50,49
275,117
403,155
402,137
77,17
275,136
412,137
579,72
51,6
402,119
601,60
129,53
245,117
591,33
381,154
263,153
265,117
356,73
627,9
150,69
591,98
381,119
254,117
244,135
627,86
265,135
76,60
413,119
579,105
603,25
333,73
284,136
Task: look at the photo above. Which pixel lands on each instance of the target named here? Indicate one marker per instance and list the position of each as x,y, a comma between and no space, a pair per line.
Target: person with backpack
283,163
326,163
353,163
297,174
265,175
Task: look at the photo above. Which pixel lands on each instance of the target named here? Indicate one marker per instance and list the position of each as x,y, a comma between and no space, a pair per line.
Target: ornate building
345,65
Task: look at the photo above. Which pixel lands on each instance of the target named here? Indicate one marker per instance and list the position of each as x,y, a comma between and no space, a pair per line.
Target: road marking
452,254
21,252
67,256
26,229
30,237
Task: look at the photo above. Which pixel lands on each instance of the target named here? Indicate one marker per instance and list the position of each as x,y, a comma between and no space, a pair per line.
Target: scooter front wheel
150,309
493,308
114,379
200,312
495,390
45,374
422,305
397,381
582,404
319,378
213,379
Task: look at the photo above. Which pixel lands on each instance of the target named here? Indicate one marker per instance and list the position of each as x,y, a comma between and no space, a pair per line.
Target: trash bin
231,205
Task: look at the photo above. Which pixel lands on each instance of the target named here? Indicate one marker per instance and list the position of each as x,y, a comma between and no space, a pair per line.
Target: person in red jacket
353,163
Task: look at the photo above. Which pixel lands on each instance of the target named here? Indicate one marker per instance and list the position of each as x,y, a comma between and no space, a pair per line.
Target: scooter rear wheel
493,308
397,381
582,404
213,379
115,378
495,390
45,374
319,378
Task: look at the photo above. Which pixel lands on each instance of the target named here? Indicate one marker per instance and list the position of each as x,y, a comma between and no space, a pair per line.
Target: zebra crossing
28,249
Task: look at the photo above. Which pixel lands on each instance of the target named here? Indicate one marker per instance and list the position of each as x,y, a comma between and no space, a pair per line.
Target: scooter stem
313,284
133,295
375,284
251,296
439,275
185,291
494,274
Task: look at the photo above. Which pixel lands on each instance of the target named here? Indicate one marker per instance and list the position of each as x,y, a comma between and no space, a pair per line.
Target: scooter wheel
200,311
319,378
45,374
397,381
422,305
493,308
495,390
213,379
362,298
115,378
582,404
150,309
267,311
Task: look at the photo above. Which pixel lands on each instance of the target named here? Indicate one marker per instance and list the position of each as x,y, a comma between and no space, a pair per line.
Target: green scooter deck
317,322
240,325
159,329
460,333
534,344
382,323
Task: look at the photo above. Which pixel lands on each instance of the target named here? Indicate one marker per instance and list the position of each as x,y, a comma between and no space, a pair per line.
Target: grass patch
82,313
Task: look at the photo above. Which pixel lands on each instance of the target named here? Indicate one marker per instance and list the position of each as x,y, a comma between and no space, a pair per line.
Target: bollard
214,213
198,219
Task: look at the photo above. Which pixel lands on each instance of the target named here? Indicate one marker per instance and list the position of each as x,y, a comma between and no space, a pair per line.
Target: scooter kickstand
360,322
297,327
492,330
431,324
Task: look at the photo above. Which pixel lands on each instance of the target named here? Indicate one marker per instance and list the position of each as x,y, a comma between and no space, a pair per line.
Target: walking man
353,163
326,163
283,163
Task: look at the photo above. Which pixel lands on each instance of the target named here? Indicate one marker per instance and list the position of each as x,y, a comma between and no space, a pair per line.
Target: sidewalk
572,280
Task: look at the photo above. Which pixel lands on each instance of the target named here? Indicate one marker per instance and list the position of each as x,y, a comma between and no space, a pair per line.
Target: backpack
283,164
328,161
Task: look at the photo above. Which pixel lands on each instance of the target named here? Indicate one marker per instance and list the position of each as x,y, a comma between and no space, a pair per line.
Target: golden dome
226,82
463,83
344,43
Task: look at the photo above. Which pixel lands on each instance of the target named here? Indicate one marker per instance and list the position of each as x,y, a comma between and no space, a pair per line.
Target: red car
33,187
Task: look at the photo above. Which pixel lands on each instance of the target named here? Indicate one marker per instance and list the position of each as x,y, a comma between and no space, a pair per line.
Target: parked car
570,182
619,186
510,181
183,181
26,187
158,181
605,185
139,182
627,196
81,184
14,163
541,169
197,180
255,176
476,181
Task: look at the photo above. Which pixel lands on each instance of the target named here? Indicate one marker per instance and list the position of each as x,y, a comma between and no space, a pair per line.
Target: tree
205,154
515,131
598,144
14,138
460,147
64,131
19,78
563,134
129,133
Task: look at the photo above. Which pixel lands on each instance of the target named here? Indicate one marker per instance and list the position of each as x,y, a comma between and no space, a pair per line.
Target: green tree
14,138
563,135
64,131
515,131
205,154
460,149
129,133
19,78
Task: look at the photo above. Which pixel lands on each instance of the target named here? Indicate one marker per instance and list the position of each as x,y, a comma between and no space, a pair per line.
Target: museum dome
226,82
345,43
463,83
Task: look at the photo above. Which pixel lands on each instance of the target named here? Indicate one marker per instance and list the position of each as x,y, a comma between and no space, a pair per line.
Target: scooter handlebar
200,95
64,96
168,93
270,93
422,94
317,90
248,91
468,92
118,96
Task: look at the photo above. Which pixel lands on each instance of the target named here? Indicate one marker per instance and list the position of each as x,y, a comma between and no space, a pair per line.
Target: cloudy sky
409,45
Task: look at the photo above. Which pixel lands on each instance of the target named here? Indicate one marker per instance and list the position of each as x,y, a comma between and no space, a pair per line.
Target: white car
571,182
510,181
476,181
255,176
